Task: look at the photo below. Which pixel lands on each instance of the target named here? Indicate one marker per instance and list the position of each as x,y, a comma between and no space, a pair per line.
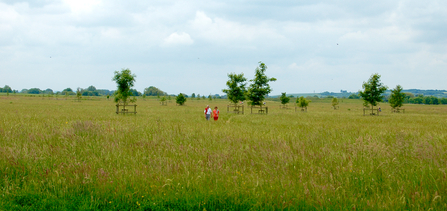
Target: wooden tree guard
302,109
121,109
164,103
259,109
372,111
397,110
237,109
283,106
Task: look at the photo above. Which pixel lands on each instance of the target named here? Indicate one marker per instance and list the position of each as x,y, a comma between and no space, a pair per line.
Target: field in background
61,154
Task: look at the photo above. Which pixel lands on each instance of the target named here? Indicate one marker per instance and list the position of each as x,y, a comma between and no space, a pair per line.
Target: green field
67,155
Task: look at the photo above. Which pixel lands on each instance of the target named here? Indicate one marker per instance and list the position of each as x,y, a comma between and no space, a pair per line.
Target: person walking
215,113
207,112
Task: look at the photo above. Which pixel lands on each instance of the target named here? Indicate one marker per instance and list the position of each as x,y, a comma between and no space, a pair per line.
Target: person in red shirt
215,113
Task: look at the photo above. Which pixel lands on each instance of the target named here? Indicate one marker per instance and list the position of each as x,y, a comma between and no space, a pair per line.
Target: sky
190,46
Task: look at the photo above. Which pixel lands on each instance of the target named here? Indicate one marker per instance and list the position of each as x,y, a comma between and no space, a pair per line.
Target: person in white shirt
207,112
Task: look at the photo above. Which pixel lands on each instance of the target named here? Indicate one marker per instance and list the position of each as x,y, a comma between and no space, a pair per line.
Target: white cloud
78,6
176,39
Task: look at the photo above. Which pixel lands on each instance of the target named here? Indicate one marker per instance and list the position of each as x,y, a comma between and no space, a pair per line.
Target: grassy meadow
67,155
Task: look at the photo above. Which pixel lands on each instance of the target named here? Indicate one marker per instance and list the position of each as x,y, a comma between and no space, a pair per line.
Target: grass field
66,155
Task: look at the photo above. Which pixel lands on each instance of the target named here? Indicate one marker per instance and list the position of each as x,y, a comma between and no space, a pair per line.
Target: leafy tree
7,89
236,87
34,91
284,99
163,99
443,100
67,91
397,97
259,88
135,92
193,95
302,102
153,91
180,99
125,80
48,91
417,100
427,100
78,94
373,90
210,98
203,97
91,88
334,102
354,96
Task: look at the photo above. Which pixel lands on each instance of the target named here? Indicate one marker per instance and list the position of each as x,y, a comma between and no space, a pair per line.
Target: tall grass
60,154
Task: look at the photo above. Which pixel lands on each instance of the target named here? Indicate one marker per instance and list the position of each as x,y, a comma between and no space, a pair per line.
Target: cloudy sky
191,46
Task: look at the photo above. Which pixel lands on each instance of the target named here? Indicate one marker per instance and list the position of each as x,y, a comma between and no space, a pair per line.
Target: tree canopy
236,87
125,81
260,87
372,91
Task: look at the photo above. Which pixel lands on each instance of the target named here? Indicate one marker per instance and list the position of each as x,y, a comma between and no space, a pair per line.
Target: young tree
259,88
397,97
284,99
236,87
334,102
78,94
193,95
124,80
373,90
180,99
163,100
302,102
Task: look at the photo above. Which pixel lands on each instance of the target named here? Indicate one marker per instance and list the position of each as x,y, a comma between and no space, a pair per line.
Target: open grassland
66,155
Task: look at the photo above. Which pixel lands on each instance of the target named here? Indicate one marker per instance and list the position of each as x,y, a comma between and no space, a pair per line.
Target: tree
153,91
259,88
67,91
302,102
91,88
163,99
78,94
193,95
236,88
180,99
334,102
373,90
397,97
7,89
34,91
124,80
284,99
354,96
210,98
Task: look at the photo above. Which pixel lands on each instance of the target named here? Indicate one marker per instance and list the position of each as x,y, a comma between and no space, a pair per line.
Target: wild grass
66,155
